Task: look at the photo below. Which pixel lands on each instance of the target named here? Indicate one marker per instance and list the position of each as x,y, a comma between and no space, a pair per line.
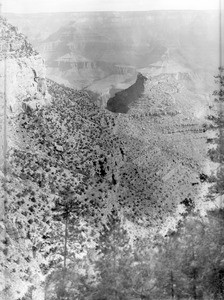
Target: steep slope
22,71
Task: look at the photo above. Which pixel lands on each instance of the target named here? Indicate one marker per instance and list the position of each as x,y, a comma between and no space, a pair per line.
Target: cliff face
22,70
22,76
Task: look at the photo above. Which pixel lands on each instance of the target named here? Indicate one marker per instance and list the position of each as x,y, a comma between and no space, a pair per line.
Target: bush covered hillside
65,238
98,205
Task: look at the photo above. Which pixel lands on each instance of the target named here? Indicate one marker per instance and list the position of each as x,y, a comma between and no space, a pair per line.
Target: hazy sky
28,6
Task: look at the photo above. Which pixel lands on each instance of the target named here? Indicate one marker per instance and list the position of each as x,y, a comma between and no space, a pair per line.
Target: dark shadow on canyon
121,101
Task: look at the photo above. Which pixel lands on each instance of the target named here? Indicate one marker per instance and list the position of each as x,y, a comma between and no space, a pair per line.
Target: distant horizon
73,6
110,11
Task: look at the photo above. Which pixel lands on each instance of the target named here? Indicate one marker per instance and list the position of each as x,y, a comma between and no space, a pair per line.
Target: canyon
107,116
103,51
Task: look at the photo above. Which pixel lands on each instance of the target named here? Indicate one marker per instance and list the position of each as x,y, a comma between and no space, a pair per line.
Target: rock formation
22,72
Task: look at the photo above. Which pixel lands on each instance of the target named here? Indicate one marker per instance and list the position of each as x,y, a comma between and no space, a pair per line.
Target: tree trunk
194,279
172,284
63,282
65,245
221,279
194,291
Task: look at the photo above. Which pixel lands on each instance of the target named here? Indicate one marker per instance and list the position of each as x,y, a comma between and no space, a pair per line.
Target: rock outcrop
22,76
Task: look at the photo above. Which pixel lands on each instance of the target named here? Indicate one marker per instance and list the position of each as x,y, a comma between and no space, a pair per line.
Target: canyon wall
22,78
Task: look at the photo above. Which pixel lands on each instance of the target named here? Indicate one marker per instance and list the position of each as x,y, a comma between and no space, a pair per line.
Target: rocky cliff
22,74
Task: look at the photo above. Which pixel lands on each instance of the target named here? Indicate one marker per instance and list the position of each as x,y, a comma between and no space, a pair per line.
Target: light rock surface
22,87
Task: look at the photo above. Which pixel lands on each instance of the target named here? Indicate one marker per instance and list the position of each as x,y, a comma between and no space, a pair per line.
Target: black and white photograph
111,149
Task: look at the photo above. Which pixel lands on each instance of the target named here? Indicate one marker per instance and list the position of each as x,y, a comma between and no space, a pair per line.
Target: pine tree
113,265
